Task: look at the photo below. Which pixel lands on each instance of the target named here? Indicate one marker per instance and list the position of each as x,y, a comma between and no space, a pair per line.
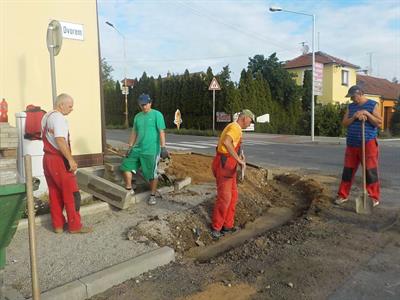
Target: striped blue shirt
354,137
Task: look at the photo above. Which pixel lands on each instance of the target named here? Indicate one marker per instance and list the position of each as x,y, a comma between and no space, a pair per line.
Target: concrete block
103,189
182,183
105,279
75,290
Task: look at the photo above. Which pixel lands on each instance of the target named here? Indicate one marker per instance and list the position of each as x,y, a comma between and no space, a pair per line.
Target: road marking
186,145
176,148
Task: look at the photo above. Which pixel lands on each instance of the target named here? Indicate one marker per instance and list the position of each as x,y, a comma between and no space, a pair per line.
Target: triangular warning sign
214,85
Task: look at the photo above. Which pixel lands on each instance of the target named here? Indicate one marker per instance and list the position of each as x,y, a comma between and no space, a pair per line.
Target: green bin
12,205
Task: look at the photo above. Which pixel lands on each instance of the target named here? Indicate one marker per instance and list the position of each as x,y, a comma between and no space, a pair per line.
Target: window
345,77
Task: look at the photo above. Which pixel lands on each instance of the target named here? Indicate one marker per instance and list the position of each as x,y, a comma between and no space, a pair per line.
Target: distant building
382,91
339,75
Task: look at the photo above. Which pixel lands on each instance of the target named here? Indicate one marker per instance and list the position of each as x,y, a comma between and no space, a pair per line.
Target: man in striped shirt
361,109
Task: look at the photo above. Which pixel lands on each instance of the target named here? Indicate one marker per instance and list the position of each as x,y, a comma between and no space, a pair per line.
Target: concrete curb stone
99,282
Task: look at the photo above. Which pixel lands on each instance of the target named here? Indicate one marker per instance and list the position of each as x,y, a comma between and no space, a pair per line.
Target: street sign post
214,86
54,42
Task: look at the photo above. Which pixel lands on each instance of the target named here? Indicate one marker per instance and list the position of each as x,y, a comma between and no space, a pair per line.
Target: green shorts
146,162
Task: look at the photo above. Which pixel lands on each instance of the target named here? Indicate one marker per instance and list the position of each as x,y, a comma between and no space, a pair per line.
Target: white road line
203,143
176,148
186,144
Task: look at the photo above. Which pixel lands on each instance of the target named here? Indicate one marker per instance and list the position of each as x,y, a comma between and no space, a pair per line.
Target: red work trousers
224,170
62,186
353,158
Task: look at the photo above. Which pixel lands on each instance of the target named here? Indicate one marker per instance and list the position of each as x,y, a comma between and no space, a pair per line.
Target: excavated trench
264,204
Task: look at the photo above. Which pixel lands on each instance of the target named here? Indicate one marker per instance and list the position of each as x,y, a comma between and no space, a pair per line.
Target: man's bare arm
162,138
374,118
132,138
64,149
228,143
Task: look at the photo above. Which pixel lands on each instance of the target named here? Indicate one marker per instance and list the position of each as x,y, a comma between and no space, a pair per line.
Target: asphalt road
325,157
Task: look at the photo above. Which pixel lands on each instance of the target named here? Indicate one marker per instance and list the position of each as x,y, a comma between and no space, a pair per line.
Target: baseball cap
144,99
248,113
353,90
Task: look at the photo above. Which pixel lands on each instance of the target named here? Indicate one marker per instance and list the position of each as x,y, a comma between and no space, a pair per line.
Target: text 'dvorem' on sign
72,31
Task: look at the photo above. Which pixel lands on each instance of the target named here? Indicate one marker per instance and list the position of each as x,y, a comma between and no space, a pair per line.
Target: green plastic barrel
12,205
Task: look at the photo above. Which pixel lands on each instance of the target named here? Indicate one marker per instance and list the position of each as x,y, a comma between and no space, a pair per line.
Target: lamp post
125,89
277,9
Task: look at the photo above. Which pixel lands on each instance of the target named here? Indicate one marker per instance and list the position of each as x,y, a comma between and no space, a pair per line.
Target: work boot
340,200
215,234
83,229
229,230
152,200
58,230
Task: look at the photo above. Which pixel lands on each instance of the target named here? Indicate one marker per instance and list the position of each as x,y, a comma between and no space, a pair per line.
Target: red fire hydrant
3,111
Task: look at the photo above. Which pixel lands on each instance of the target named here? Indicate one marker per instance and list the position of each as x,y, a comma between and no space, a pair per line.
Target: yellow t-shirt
234,131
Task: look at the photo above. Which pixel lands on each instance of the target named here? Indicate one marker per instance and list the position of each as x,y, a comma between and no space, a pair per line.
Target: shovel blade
363,205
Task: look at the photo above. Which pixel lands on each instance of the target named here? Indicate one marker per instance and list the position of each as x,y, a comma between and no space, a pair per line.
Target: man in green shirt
146,146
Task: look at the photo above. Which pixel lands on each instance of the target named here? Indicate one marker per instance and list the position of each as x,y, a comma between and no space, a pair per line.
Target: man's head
355,93
246,117
144,102
64,104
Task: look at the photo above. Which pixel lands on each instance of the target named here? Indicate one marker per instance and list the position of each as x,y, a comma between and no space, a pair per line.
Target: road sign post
214,86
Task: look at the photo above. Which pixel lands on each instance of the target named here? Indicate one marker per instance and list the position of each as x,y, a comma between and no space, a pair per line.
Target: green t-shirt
147,127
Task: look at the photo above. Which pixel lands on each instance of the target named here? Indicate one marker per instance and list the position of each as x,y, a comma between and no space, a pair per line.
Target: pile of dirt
197,167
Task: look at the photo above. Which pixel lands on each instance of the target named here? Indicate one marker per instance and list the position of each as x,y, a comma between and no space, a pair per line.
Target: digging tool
363,204
242,168
31,226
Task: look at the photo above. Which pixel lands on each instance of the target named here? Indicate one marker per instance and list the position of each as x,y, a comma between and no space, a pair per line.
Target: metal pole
53,73
31,226
313,79
213,111
126,87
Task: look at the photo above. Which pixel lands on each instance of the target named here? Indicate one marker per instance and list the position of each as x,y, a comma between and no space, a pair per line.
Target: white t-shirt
57,126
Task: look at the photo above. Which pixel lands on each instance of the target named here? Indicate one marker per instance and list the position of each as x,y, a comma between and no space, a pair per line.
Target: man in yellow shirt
224,169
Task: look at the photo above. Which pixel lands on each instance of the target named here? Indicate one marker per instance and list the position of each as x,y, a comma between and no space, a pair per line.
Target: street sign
318,78
125,90
223,117
214,85
178,118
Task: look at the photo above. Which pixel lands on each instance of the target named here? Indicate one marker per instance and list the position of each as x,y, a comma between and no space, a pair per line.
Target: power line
234,27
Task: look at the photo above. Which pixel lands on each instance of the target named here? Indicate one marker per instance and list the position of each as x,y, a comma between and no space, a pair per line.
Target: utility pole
370,63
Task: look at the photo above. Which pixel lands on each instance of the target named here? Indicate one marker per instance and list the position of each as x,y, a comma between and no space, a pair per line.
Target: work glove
164,153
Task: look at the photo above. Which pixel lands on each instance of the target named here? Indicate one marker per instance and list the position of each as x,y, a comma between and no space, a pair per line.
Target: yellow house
338,75
25,76
383,91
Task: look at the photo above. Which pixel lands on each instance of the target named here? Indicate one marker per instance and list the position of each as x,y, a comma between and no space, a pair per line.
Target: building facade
25,76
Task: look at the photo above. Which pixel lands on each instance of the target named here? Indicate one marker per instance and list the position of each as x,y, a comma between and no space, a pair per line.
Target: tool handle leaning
31,226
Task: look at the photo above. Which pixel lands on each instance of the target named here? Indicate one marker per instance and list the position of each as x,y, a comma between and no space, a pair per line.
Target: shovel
363,204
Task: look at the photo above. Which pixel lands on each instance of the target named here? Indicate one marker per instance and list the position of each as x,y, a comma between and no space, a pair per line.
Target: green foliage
264,87
328,119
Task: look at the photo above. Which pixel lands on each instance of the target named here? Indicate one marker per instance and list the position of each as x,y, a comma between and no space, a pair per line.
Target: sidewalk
67,261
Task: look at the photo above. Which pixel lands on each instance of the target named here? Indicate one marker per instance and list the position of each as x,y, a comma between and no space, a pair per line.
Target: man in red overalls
224,169
60,167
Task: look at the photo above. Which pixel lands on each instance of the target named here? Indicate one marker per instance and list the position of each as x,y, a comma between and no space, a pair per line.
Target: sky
164,36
